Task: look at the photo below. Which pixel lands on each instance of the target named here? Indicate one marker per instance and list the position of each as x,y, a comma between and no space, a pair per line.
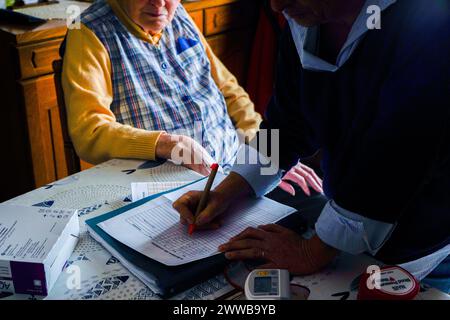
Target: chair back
72,159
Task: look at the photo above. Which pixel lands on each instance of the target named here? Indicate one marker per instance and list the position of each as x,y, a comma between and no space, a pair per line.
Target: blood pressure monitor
268,284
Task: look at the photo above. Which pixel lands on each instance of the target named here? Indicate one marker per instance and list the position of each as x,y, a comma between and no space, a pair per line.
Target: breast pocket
192,59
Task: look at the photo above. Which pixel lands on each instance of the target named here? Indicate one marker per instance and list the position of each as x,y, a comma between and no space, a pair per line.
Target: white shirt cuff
257,170
350,232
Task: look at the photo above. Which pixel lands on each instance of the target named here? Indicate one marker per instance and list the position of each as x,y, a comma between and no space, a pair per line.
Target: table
106,187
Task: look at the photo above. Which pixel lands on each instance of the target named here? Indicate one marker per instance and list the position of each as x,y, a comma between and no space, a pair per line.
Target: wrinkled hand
302,175
184,151
281,248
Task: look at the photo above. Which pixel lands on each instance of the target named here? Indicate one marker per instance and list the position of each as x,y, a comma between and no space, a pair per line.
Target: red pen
204,198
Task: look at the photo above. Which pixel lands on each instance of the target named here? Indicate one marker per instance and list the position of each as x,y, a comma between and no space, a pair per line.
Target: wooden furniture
35,151
229,28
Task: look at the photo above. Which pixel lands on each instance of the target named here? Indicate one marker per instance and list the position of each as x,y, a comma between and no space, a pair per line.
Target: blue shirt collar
305,38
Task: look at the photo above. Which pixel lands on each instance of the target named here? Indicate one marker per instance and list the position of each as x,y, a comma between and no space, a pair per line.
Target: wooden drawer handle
33,59
216,25
42,55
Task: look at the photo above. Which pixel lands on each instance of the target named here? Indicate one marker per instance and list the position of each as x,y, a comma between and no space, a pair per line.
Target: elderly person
141,82
376,102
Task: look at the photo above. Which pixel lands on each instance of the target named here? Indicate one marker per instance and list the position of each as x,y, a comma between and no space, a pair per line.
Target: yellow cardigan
87,85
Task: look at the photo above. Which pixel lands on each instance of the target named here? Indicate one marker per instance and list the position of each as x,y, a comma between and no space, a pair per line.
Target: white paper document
141,190
154,229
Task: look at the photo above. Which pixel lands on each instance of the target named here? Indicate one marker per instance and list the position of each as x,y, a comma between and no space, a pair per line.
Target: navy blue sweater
382,122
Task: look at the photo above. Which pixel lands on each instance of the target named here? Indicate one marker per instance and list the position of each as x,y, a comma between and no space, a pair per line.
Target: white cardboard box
35,243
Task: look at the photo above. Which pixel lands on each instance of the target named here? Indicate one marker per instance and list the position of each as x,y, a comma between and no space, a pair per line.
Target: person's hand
227,192
210,218
184,151
302,175
281,248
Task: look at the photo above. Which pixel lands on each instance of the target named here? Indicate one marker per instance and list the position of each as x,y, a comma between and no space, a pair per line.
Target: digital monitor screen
263,284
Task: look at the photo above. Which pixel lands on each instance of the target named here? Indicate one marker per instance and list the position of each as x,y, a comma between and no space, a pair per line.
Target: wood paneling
44,128
37,59
223,18
200,5
197,16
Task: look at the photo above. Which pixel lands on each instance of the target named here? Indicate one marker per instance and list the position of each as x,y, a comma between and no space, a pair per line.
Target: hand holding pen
216,202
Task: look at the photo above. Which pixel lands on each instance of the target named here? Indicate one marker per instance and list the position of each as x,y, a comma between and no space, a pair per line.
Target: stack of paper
154,230
141,190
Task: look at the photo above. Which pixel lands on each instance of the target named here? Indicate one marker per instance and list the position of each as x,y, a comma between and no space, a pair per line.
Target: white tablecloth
107,187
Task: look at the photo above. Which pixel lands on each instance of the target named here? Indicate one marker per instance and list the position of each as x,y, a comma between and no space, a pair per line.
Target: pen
204,198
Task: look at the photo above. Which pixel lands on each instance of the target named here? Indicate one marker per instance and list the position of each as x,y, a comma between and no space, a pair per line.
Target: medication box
35,243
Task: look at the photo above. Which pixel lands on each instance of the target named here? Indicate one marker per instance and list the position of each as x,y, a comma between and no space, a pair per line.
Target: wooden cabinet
44,129
30,134
197,16
229,28
31,137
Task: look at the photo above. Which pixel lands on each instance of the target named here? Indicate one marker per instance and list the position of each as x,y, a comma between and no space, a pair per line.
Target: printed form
154,228
141,190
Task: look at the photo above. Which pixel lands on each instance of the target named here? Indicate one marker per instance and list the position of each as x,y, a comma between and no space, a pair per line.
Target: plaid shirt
167,86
